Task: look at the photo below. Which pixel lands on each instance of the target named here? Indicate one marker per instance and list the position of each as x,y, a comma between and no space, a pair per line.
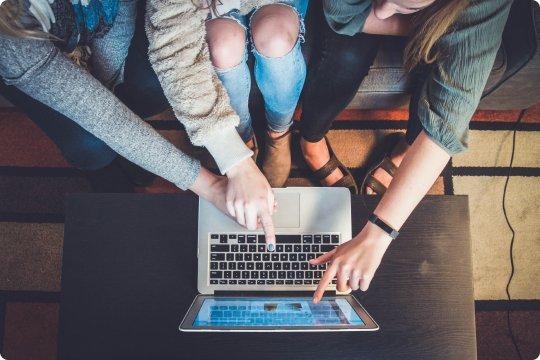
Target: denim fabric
279,79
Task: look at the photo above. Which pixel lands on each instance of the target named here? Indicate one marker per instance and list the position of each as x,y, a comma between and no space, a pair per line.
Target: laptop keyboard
242,259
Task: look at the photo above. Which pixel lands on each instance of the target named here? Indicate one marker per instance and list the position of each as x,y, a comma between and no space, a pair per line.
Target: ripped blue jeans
280,79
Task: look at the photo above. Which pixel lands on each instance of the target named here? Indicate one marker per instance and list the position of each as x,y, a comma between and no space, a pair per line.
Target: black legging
338,64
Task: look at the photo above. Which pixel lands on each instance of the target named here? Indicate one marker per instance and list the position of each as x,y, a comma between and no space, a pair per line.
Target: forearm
419,169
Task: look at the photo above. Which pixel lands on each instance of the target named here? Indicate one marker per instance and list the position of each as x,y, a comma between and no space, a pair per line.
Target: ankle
313,149
276,135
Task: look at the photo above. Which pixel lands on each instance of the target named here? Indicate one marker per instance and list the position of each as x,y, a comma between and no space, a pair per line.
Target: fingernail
270,247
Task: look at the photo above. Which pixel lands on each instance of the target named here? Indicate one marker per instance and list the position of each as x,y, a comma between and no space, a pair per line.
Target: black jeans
140,91
338,64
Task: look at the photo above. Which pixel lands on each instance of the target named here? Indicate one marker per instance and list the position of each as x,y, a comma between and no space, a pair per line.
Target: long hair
429,25
11,12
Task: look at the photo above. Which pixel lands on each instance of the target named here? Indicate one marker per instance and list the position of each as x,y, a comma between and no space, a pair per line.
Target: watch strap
374,219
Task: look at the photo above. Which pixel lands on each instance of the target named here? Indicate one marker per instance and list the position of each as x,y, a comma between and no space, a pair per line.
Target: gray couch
514,82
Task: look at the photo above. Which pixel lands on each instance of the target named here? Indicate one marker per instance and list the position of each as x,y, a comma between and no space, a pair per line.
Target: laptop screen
272,312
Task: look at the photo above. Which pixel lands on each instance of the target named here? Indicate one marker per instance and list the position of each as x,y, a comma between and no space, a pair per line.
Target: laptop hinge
269,293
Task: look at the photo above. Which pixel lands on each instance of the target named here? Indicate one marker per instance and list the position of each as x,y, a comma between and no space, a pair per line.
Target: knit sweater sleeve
180,57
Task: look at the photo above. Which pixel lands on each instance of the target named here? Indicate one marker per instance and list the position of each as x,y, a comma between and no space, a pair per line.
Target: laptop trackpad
288,211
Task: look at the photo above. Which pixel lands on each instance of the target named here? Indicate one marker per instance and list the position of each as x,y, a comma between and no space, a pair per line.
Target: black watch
374,219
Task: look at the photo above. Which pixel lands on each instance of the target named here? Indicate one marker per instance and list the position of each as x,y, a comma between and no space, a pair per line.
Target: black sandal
383,161
346,181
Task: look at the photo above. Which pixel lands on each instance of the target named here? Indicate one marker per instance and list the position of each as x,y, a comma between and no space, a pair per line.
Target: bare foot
316,156
396,157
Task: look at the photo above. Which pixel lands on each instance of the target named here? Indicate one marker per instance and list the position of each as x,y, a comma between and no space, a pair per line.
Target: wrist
377,234
204,185
241,168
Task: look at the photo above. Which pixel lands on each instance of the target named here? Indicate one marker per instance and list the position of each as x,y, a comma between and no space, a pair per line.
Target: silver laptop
243,287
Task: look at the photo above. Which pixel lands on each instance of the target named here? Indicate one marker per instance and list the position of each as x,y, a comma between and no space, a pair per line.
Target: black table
129,275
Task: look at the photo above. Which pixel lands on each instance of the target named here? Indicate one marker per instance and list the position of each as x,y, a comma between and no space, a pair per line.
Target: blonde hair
429,25
11,12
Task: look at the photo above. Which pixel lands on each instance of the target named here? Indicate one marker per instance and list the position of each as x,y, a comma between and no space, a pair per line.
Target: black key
247,257
250,266
232,282
217,257
254,274
259,266
317,239
256,257
289,282
277,266
312,267
216,274
309,275
252,282
307,239
270,282
252,248
327,248
272,274
263,274
280,282
241,266
288,239
242,282
261,248
290,274
322,267
214,265
213,282
223,282
232,236
214,236
302,257
286,266
282,274
335,239
334,281
318,274
243,248
315,248
310,256
266,257
241,239
227,274
295,266
299,274
239,257
251,239
279,248
229,257
293,257
260,282
235,248
236,274
298,282
261,239
326,239
308,282
223,266
232,266
219,248
223,239
267,266
245,274
315,282
304,266
283,257
275,257
297,248
306,248
288,248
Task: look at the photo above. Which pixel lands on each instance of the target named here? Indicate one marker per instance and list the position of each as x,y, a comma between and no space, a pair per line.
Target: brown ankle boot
276,164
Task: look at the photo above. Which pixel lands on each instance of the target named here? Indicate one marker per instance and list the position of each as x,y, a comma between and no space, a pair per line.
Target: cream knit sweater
179,55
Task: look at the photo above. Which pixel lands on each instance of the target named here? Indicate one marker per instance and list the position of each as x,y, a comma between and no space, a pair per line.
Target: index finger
268,227
329,274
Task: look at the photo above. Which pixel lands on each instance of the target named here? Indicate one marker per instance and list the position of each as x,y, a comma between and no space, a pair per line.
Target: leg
226,39
280,69
340,64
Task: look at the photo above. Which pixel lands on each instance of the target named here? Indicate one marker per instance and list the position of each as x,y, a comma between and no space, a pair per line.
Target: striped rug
34,179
